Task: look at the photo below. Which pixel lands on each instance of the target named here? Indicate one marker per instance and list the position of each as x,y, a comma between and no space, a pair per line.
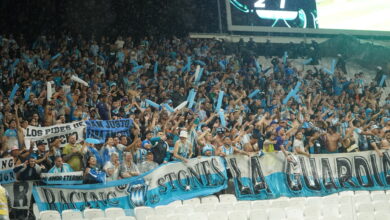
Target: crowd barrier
255,178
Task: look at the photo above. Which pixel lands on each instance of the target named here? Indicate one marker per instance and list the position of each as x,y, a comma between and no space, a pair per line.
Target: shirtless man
333,138
386,141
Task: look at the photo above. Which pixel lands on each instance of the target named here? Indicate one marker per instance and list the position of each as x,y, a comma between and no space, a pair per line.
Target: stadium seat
365,208
227,198
49,215
330,209
197,216
377,192
366,216
114,212
125,218
238,215
193,201
279,203
176,203
346,210
176,217
276,213
242,205
210,199
312,211
142,212
218,216
330,200
297,202
332,195
382,215
294,212
155,217
331,217
380,197
362,198
184,209
362,192
347,217
282,198
71,214
164,210
313,201
224,206
381,206
345,199
260,204
205,208
93,213
258,215
350,193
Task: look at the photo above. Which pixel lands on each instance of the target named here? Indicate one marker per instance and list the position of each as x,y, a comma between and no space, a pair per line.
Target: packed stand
330,114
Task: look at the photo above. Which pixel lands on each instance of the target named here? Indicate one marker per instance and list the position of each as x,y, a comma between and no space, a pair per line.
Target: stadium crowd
331,113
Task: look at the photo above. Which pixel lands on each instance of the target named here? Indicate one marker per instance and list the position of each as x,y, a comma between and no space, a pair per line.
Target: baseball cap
183,134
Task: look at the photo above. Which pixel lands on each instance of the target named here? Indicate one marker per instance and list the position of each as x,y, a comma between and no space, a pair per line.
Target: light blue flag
56,56
305,62
190,95
285,55
222,64
199,75
69,98
292,93
168,108
192,98
328,71
27,94
135,69
16,62
200,62
333,65
297,98
253,93
134,63
258,69
13,93
187,67
155,69
219,103
382,81
153,104
222,118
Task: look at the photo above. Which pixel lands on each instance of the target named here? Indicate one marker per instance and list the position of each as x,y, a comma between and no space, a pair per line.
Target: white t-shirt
115,174
298,144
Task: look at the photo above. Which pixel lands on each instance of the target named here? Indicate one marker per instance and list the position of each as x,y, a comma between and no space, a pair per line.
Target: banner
167,183
7,174
68,178
48,134
272,176
20,194
100,129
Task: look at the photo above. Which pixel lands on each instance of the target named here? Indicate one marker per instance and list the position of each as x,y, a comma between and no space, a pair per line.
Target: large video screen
316,14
